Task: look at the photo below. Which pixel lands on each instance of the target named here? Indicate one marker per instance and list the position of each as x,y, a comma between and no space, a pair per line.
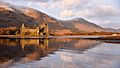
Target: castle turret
23,26
46,29
22,29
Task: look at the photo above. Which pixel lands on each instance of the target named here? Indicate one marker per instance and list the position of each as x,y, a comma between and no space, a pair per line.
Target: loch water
59,53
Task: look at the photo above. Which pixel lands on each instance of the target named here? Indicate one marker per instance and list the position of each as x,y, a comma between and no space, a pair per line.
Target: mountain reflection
26,50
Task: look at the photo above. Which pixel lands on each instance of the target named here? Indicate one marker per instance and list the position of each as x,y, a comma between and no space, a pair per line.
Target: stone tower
22,29
44,28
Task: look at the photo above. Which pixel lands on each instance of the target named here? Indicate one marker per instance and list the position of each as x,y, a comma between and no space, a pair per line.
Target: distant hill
79,24
12,16
118,30
111,29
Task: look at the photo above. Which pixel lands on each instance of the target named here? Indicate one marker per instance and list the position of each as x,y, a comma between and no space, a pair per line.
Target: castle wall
42,30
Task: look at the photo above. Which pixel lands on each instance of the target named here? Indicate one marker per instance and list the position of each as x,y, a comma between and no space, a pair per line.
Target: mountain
14,16
118,30
79,24
11,16
111,29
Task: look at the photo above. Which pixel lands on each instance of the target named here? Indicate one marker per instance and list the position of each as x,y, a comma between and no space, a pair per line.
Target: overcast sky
105,13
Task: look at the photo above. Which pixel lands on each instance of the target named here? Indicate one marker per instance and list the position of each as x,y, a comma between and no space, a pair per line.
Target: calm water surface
58,53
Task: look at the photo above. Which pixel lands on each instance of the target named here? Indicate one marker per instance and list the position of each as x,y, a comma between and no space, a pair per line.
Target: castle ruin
42,30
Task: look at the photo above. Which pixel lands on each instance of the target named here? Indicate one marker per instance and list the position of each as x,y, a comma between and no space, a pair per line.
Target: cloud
38,0
95,8
98,11
67,3
29,4
28,0
32,1
66,13
106,10
84,13
108,22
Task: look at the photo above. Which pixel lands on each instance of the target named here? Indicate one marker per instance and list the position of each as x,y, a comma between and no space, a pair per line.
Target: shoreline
20,37
92,37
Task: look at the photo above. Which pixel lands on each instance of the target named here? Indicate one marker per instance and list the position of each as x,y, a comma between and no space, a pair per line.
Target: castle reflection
16,49
27,50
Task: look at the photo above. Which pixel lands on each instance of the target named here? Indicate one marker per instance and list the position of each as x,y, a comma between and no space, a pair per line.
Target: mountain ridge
13,17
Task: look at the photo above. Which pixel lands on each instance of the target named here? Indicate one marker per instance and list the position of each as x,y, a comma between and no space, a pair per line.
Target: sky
105,13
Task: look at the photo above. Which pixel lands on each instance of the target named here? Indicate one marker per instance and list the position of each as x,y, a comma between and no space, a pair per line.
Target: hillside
11,16
79,24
